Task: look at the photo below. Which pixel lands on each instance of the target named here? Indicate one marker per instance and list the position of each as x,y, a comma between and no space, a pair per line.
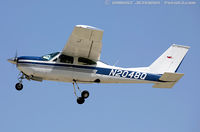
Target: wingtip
89,27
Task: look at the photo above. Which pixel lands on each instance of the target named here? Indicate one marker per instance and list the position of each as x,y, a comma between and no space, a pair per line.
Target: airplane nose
12,60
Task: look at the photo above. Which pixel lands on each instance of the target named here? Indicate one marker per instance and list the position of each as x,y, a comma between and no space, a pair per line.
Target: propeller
14,60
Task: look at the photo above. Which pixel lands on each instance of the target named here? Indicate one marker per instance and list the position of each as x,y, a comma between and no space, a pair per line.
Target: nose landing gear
84,95
19,86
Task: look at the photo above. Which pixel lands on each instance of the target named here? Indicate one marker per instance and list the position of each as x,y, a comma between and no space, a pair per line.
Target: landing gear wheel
85,94
80,100
19,86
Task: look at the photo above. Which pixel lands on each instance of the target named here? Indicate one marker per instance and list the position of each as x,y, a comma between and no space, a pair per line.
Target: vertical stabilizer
170,60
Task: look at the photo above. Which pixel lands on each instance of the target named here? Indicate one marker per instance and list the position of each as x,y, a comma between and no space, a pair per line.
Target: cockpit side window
85,61
66,59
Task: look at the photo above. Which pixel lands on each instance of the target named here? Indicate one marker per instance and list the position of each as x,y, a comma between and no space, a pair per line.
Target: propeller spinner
14,59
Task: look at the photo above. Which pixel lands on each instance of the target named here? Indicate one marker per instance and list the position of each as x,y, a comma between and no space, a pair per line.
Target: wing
85,41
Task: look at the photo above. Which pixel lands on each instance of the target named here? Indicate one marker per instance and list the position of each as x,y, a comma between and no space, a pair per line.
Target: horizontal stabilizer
167,76
169,80
164,85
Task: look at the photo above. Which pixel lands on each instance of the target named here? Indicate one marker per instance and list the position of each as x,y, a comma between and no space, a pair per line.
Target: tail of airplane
167,65
170,60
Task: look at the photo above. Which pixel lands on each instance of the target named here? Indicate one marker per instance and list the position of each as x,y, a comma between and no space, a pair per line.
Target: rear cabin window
85,61
66,59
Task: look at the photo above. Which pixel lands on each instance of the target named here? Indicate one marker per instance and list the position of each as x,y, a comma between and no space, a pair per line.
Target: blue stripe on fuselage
30,58
102,71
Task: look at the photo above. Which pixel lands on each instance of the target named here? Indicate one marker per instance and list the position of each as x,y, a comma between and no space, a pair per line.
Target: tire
85,94
19,86
80,100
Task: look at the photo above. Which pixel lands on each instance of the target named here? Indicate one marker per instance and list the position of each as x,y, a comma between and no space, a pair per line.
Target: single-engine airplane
79,62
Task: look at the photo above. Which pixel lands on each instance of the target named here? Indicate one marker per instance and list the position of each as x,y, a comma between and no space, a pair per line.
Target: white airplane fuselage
38,69
59,67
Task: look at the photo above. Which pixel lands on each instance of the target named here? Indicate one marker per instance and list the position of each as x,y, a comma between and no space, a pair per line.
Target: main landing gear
84,94
19,85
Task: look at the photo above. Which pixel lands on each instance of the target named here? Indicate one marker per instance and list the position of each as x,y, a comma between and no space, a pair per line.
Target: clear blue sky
133,34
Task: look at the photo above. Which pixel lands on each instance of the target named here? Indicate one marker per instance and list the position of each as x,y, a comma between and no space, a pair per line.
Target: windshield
49,56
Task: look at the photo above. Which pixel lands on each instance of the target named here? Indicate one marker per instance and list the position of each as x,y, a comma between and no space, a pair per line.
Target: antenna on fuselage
116,62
